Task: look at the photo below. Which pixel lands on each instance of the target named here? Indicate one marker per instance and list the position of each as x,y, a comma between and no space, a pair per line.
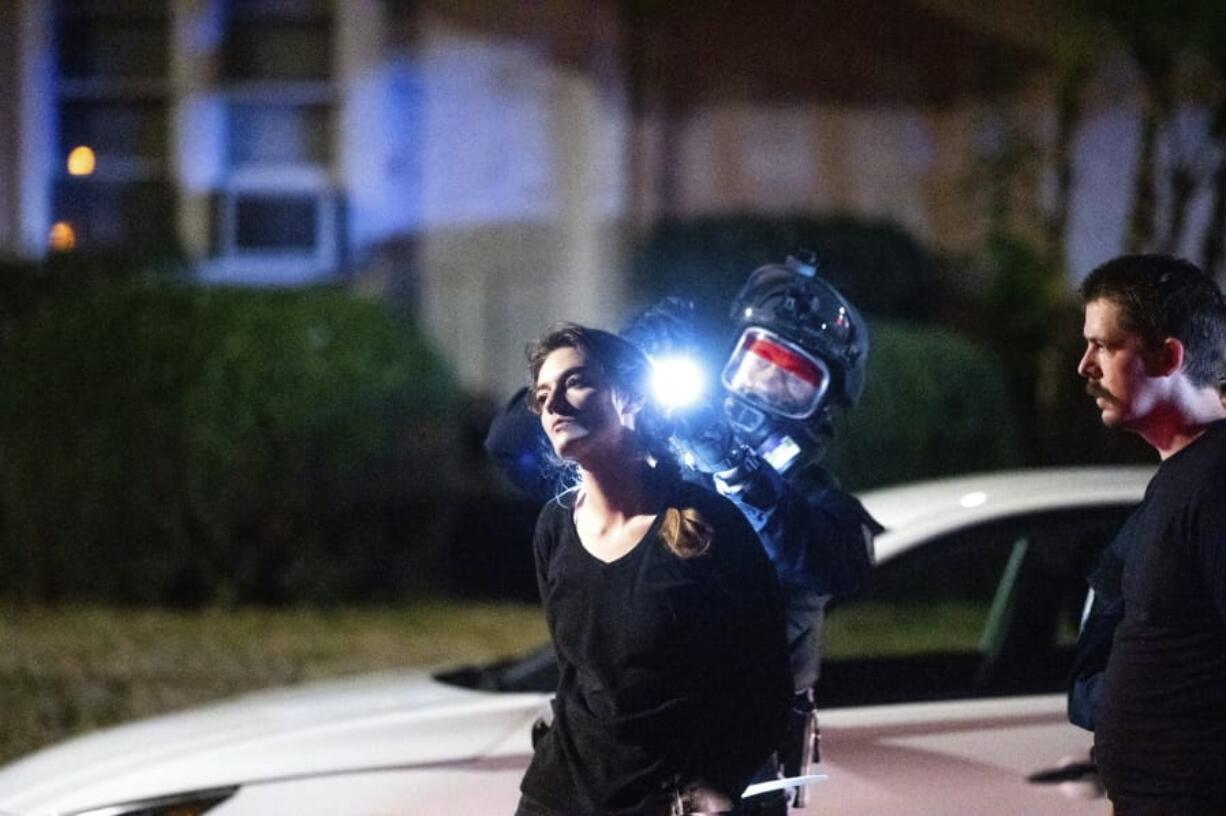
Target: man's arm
1105,611
1093,649
1209,531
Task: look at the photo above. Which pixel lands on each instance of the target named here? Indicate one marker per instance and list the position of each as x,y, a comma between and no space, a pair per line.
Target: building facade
290,142
490,161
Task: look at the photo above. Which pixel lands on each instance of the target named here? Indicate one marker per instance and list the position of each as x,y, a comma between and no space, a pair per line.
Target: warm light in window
63,238
81,161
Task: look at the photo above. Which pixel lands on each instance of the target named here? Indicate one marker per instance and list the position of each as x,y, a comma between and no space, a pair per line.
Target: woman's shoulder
734,548
702,498
726,521
560,503
555,515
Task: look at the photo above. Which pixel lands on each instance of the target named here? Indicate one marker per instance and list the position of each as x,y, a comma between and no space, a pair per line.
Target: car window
989,610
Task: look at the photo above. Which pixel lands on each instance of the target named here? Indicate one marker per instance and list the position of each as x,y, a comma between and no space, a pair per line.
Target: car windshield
991,610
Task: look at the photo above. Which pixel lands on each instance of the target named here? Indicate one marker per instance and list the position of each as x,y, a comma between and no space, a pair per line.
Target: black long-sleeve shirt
672,669
1160,738
1098,630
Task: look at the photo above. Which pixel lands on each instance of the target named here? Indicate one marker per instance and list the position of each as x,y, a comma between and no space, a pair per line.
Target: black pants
530,807
1167,807
770,805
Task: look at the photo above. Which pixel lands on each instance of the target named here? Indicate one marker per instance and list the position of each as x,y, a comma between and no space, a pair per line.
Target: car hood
359,724
913,513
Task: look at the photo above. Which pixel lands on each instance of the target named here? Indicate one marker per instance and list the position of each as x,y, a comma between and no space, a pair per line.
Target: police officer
800,357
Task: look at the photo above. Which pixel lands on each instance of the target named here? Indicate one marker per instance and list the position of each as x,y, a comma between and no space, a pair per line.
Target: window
115,129
275,222
113,115
278,51
112,47
988,611
285,41
291,230
112,214
278,217
275,134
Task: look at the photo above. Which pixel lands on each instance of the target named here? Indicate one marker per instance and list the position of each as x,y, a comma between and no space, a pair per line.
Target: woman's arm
748,689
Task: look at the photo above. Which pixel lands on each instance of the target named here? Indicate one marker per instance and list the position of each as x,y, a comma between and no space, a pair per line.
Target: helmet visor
776,375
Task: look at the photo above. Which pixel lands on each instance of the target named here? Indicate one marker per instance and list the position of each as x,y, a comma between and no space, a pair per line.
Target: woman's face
579,412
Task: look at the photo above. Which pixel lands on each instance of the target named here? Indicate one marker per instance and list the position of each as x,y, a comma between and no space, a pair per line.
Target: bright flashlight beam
677,382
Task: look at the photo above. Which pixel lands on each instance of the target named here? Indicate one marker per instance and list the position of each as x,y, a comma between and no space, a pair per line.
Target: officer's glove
750,482
707,439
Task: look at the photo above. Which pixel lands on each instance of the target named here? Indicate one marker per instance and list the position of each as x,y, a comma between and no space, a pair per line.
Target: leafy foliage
877,265
934,404
168,443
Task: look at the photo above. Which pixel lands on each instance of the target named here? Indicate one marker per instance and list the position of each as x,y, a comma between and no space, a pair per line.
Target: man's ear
1168,358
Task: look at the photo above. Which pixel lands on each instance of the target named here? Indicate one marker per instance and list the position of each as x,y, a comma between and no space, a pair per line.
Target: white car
905,729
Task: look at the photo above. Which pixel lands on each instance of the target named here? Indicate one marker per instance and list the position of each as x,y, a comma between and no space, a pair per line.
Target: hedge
166,443
163,442
934,404
876,264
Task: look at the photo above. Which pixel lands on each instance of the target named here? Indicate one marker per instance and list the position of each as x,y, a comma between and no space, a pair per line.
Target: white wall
10,220
35,128
522,194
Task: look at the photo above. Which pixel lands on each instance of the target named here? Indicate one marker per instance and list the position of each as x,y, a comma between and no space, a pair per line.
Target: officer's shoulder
702,498
726,521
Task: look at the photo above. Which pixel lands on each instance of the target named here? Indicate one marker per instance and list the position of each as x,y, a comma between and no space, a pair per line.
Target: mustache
1098,393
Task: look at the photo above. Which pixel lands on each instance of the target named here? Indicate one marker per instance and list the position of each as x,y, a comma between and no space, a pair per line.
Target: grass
879,629
67,670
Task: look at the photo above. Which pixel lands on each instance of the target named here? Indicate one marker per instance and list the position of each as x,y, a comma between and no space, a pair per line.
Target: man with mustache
1155,333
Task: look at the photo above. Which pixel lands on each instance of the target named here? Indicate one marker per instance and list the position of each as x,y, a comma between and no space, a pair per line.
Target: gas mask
802,351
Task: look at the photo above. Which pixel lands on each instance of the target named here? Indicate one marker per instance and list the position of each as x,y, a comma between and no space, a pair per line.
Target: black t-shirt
671,669
1161,737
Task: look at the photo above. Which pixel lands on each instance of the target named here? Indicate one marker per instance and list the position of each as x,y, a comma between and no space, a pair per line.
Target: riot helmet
801,351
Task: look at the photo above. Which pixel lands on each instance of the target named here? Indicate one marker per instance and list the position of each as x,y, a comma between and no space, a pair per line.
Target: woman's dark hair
1159,297
622,366
616,361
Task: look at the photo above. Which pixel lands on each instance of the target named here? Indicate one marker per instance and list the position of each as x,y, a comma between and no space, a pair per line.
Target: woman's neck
618,492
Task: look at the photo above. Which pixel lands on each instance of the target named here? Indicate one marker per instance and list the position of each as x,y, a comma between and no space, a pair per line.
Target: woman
663,608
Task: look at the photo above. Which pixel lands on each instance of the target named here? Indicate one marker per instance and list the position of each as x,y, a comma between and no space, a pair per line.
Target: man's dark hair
1160,297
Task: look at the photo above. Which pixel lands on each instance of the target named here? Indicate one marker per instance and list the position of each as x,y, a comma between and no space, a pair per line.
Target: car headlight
179,804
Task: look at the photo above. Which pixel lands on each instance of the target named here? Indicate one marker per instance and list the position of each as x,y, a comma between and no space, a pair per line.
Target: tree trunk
1215,232
1068,117
1183,186
1144,194
1157,68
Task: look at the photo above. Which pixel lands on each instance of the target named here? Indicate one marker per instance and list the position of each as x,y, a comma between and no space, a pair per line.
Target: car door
943,687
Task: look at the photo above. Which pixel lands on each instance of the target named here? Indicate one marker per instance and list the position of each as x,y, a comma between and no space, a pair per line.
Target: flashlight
677,382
